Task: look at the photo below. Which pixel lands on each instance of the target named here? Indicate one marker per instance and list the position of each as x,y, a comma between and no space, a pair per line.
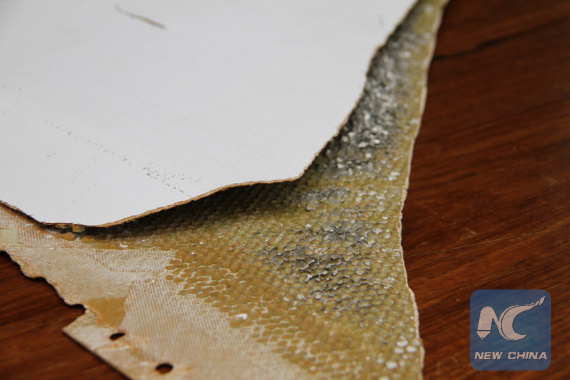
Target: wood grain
489,199
488,205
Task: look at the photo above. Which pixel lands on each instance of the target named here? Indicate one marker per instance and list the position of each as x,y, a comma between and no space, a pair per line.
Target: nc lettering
505,322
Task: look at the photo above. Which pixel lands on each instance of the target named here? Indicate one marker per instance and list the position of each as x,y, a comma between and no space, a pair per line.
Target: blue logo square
510,330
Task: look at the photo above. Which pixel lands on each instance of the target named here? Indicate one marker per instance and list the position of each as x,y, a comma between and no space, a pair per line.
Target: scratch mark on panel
139,17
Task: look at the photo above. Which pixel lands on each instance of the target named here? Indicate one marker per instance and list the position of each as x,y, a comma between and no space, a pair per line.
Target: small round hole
116,336
164,368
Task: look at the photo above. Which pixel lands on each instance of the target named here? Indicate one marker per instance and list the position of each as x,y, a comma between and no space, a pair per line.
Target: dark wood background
488,205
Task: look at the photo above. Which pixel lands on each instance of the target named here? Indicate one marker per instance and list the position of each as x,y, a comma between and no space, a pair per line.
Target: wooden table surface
488,205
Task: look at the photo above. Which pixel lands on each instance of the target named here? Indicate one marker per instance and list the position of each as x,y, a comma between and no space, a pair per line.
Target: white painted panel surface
111,109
